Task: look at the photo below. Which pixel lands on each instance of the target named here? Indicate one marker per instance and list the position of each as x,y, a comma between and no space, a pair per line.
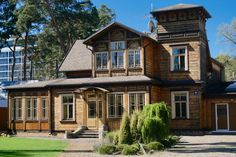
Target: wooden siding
4,118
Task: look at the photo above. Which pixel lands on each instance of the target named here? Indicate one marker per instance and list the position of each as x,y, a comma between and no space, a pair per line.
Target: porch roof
85,82
221,89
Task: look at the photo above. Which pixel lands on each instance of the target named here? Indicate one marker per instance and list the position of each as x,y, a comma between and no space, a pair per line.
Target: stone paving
190,146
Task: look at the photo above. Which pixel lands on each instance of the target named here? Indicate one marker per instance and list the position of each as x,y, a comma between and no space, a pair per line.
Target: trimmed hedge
155,146
113,137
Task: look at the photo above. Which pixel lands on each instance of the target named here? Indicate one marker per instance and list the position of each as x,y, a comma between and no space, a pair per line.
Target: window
68,107
117,54
180,104
136,101
179,60
44,109
115,105
17,109
119,45
134,58
101,60
117,59
31,108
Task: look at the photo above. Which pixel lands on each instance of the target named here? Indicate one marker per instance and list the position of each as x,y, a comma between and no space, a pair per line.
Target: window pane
104,60
114,59
100,109
137,58
120,59
182,62
70,111
184,114
98,60
131,59
65,112
177,110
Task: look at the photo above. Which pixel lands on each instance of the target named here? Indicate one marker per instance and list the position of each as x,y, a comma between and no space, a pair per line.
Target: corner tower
184,46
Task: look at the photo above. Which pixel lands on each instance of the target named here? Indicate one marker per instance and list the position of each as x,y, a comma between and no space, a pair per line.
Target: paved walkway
190,146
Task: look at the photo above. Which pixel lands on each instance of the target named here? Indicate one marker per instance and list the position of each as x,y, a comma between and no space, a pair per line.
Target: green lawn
27,147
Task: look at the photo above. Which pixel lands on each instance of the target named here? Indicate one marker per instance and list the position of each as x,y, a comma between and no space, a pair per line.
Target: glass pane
182,62
131,59
182,51
176,63
100,109
91,109
120,59
111,111
70,111
137,58
184,110
65,111
177,110
183,98
104,60
177,98
114,59
98,60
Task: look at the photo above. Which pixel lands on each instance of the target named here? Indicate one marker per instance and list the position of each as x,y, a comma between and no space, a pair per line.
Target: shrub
155,146
124,134
113,137
106,149
120,147
130,150
133,126
154,122
169,141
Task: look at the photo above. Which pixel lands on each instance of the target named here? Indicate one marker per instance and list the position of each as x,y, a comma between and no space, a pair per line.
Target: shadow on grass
26,153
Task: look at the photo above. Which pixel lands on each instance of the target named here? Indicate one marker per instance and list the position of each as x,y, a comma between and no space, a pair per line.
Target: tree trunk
25,55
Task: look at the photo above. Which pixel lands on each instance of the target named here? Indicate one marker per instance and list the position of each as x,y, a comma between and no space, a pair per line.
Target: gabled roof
77,59
181,7
109,26
221,89
217,62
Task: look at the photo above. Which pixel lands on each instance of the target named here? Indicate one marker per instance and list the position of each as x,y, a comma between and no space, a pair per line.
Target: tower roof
180,7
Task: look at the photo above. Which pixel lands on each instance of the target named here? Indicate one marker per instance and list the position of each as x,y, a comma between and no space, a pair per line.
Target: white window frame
115,113
62,107
15,109
172,67
32,115
102,67
137,92
134,58
44,109
173,103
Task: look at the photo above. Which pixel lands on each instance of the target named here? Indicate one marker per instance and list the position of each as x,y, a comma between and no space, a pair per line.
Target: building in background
6,62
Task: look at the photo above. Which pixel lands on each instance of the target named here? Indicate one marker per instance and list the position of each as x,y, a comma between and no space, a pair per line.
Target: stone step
87,136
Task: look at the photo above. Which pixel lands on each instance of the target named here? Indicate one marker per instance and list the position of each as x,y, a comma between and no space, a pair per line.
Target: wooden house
119,69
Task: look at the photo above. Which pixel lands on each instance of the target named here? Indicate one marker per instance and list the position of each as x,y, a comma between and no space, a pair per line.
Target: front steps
88,134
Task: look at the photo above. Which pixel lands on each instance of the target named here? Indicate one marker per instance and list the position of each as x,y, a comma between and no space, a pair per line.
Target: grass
27,147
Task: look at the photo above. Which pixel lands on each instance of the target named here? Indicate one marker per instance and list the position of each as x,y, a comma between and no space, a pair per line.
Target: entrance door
222,117
92,115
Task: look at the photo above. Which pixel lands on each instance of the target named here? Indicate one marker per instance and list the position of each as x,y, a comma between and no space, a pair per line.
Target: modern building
119,69
6,62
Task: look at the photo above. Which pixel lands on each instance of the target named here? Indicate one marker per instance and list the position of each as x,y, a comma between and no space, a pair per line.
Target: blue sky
135,13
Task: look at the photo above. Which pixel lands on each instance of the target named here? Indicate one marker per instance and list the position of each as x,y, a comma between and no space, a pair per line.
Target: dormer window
101,60
179,59
117,54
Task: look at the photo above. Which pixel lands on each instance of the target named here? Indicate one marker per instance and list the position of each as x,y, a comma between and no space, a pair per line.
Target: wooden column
50,114
39,111
23,110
